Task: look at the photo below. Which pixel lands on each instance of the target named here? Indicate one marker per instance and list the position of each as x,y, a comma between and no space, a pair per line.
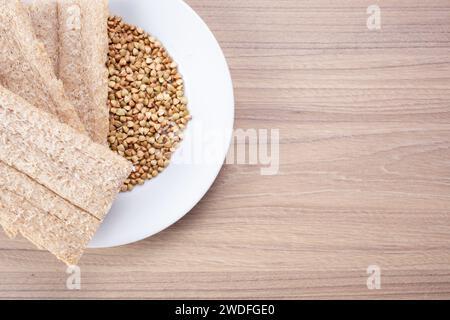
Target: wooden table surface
364,119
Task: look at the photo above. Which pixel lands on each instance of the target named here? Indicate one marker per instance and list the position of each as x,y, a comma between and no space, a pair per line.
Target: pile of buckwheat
148,109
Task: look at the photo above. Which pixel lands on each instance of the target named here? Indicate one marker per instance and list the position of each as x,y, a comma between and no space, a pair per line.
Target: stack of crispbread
25,67
57,183
74,33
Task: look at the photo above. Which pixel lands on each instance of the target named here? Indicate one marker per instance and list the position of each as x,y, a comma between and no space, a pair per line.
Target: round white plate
161,202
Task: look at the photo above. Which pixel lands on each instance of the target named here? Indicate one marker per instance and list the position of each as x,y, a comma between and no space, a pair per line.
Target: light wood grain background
364,179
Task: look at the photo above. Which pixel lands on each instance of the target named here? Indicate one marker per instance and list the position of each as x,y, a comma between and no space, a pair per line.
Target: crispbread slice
25,67
19,183
46,219
87,174
44,16
41,228
83,51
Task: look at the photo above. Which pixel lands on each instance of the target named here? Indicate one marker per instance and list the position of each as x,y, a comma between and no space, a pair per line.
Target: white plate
163,201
